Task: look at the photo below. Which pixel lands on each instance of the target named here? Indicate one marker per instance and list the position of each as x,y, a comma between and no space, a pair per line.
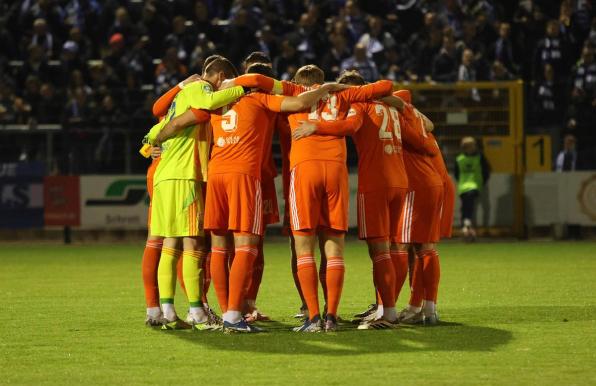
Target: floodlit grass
514,313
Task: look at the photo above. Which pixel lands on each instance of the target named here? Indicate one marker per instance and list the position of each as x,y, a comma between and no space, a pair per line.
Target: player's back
418,163
378,142
240,131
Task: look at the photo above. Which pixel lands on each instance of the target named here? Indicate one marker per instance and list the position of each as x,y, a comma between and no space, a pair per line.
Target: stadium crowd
95,66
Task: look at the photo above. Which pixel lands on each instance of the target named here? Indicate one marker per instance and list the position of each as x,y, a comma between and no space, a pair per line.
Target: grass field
514,313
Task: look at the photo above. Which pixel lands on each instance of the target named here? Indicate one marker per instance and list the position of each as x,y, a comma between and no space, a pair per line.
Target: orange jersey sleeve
262,82
343,127
201,116
270,102
365,93
162,104
292,89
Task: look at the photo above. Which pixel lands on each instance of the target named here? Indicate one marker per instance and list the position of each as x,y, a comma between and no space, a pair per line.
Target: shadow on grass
279,339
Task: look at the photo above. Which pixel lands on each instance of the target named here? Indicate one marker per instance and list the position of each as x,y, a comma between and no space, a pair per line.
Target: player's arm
190,117
162,104
301,102
413,132
370,91
338,128
394,101
259,81
203,97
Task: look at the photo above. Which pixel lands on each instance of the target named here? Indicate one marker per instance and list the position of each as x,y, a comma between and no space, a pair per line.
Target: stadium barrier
120,202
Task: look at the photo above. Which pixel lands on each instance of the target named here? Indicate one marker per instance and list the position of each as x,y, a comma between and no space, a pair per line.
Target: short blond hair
309,75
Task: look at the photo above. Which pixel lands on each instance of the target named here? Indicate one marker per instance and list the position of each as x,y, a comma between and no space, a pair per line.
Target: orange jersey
332,108
418,147
240,132
437,159
268,170
379,146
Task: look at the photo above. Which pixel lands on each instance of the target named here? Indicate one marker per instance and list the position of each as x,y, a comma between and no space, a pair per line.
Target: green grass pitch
514,314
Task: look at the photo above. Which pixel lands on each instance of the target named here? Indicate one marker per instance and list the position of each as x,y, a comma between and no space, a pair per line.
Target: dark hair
256,57
309,75
351,77
260,68
210,59
221,64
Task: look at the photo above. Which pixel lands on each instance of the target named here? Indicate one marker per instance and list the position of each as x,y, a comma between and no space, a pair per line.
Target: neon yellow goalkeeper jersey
182,153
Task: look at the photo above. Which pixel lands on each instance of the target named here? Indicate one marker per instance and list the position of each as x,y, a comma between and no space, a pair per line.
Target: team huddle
212,191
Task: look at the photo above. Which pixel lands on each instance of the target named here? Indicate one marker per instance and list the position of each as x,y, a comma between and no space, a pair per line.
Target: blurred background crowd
95,67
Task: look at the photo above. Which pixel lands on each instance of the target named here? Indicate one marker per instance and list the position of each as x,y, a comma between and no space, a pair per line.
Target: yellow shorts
177,209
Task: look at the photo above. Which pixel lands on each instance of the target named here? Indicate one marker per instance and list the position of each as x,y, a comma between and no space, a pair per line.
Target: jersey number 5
383,133
229,120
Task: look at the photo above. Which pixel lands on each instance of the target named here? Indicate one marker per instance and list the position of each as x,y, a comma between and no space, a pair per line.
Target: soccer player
319,194
153,245
177,206
448,202
420,223
374,126
234,196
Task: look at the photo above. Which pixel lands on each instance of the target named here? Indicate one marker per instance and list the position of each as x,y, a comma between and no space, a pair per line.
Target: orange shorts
379,213
150,173
270,208
421,217
319,196
234,203
448,206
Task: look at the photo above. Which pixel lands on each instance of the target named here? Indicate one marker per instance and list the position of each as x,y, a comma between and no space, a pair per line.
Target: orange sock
207,273
307,274
400,267
431,274
335,283
149,265
256,276
384,275
417,289
244,258
178,255
219,275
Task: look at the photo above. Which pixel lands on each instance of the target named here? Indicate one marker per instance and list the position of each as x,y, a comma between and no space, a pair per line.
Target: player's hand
305,129
227,83
190,79
334,87
155,152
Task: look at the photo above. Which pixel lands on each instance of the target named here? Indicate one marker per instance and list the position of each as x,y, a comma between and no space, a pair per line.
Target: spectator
548,97
376,41
550,50
288,62
567,158
169,72
50,104
444,68
123,26
360,62
153,24
582,106
43,38
115,56
331,62
467,72
240,38
181,38
77,113
503,50
355,18
499,72
138,61
36,64
252,15
84,47
471,173
109,118
266,41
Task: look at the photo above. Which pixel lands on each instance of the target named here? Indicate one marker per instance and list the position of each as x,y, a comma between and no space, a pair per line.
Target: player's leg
305,196
166,278
428,258
192,257
220,267
149,266
468,203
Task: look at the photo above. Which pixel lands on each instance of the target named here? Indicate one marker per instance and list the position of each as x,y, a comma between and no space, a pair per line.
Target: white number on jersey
229,120
331,105
383,133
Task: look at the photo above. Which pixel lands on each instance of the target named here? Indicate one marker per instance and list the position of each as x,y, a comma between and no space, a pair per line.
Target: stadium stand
85,72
